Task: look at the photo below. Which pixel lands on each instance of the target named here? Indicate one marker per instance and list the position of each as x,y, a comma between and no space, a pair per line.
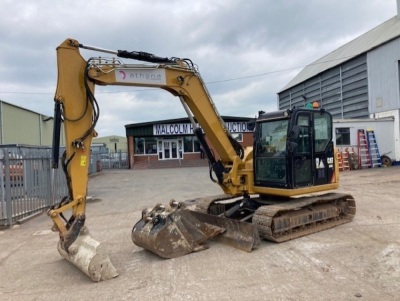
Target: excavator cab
293,158
293,148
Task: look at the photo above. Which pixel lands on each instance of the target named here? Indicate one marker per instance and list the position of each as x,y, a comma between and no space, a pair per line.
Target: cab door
302,157
323,148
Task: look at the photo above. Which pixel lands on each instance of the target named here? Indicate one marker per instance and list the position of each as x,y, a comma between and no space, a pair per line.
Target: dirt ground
355,261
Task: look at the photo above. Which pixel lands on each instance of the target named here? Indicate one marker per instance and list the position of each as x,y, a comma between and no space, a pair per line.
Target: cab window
303,139
323,131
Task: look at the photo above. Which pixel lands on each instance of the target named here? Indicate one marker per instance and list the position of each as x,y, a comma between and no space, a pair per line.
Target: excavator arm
77,108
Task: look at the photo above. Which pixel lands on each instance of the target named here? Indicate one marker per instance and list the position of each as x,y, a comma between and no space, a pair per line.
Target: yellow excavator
276,190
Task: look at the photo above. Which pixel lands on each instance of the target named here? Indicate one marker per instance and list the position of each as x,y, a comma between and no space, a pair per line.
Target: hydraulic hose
55,151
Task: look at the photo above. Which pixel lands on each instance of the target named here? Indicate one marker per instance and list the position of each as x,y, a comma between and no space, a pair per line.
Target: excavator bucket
89,256
174,231
238,234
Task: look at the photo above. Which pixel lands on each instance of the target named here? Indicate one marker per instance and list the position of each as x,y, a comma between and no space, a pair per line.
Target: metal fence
25,184
116,160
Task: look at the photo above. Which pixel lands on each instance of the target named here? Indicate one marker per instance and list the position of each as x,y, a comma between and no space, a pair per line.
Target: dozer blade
172,232
238,234
89,256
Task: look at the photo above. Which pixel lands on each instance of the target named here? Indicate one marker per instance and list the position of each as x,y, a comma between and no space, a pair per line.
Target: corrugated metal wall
383,76
342,90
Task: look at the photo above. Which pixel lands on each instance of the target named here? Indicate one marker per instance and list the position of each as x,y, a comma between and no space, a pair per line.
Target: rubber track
202,204
264,216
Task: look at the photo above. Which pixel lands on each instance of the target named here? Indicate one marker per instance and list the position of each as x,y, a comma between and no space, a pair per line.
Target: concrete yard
355,261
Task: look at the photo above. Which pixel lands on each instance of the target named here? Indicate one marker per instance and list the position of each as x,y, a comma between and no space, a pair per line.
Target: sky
246,50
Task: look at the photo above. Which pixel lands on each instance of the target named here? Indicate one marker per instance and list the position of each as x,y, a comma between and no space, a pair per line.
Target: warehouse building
22,126
151,143
112,144
359,84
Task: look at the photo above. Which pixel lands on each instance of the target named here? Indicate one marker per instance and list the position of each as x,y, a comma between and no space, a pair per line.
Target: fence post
3,194
8,187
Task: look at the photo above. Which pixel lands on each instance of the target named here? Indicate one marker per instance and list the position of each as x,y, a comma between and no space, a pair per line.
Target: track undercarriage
281,220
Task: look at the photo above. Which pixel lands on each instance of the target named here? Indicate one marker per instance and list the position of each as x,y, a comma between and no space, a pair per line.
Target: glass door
167,149
174,149
170,149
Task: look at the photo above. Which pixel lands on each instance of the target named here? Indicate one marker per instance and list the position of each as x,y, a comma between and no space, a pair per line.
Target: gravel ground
355,261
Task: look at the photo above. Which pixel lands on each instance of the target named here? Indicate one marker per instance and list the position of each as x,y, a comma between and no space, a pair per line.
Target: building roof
377,36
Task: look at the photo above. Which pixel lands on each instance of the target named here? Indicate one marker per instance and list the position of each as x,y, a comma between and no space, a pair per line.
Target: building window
196,145
191,145
188,144
145,146
342,136
151,146
237,136
139,146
